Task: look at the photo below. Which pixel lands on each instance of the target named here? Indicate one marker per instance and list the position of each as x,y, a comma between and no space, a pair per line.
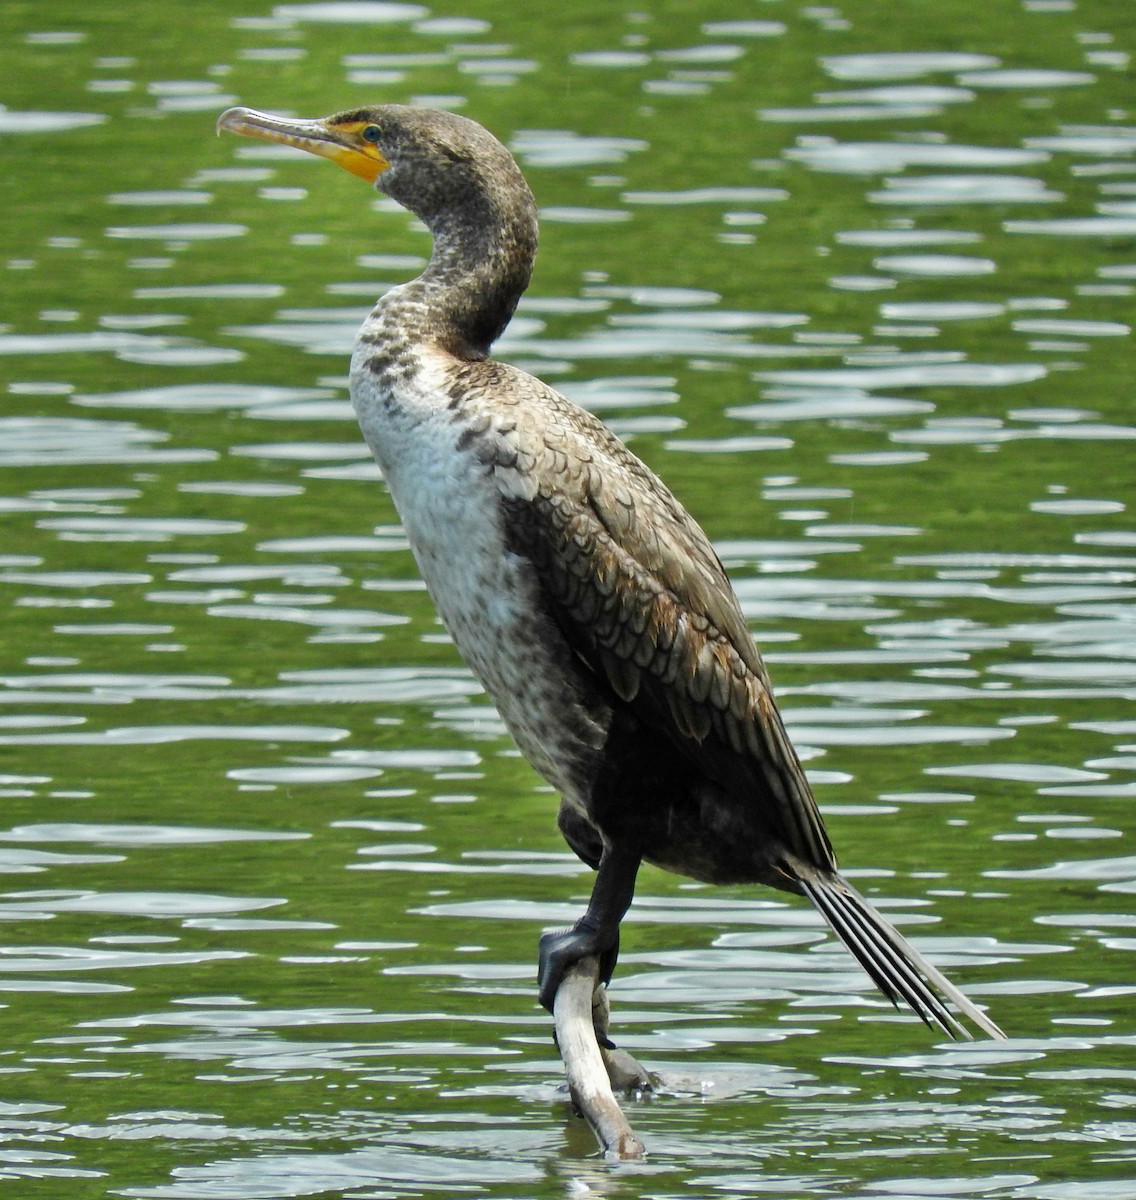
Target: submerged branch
593,1071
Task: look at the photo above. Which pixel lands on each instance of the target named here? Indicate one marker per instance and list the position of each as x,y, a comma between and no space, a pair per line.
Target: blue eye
372,133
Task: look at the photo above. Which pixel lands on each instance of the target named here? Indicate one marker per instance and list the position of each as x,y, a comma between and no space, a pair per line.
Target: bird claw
561,949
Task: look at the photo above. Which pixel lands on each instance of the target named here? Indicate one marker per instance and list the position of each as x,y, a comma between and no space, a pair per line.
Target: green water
274,875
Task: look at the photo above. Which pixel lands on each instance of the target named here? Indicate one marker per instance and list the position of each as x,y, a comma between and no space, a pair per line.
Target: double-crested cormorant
586,599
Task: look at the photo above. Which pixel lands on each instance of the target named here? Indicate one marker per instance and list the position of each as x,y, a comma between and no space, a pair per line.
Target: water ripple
707,195
201,397
398,1172
55,441
1092,227
339,618
948,374
85,958
12,121
1033,79
941,190
134,529
562,148
905,64
184,231
141,904
139,835
874,158
827,113
157,735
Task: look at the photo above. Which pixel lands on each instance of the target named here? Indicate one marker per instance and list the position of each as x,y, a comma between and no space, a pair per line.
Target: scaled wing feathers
645,602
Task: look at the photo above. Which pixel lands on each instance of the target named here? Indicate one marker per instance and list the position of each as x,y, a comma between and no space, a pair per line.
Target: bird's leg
597,931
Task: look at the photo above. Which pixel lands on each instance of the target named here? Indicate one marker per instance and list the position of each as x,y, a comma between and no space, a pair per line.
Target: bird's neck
480,266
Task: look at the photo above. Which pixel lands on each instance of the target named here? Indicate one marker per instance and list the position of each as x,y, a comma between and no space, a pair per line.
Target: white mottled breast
449,502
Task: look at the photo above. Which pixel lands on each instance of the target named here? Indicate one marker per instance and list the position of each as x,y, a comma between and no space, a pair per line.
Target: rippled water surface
858,281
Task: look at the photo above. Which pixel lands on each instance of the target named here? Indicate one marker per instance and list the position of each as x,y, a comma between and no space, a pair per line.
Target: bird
582,594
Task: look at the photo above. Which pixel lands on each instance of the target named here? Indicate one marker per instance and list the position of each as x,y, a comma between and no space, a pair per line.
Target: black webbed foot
560,949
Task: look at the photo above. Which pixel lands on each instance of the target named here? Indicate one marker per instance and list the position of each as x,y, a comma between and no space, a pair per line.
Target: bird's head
434,163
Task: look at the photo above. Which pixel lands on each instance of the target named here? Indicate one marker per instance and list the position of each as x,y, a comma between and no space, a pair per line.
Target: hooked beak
341,142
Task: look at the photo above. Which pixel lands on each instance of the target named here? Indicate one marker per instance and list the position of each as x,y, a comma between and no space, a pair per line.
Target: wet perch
596,1071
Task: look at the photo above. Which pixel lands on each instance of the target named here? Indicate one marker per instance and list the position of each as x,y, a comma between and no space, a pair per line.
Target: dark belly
713,841
651,794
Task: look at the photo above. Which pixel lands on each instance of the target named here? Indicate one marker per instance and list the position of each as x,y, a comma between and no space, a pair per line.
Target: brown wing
644,600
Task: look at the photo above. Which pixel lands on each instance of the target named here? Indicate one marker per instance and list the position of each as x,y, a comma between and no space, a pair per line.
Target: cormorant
586,599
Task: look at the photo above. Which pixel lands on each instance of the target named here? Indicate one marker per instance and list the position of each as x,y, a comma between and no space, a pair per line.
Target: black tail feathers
895,966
